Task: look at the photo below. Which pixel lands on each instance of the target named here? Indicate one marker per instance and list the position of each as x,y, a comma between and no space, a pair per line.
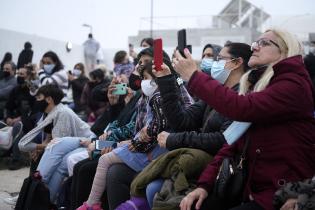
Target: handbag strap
242,158
211,113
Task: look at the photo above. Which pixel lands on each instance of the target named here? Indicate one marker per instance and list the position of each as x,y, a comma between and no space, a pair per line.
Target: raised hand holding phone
182,42
165,71
120,89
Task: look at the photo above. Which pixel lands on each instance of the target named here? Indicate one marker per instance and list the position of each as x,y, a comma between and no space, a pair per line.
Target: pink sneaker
96,206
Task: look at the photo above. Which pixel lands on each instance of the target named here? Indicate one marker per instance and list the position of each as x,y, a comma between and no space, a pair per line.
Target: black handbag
34,195
231,177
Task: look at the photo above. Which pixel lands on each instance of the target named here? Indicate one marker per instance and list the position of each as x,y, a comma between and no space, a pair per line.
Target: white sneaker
12,200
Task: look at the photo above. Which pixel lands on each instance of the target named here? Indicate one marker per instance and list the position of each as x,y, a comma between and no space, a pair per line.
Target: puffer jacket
198,126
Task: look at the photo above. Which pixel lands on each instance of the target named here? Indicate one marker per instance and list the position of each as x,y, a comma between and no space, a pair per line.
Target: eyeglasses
219,58
263,43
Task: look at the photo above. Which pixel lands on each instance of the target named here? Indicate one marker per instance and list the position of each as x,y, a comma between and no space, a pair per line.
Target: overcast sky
114,20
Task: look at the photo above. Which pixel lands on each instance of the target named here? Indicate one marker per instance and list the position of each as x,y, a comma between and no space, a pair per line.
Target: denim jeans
152,189
53,164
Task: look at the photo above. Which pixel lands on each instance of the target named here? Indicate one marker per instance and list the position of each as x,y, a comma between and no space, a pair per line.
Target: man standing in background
91,47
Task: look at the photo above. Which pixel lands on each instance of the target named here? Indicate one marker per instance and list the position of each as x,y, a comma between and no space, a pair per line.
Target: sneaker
96,206
17,132
11,201
15,164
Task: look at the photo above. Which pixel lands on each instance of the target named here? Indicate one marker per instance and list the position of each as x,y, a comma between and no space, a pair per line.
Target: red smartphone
158,54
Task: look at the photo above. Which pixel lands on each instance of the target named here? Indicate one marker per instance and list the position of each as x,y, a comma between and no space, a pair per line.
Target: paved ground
10,183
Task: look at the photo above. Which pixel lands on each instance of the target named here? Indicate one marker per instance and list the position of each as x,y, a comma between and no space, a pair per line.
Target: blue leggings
152,189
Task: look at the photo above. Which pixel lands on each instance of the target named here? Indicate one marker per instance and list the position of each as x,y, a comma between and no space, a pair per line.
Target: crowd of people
169,130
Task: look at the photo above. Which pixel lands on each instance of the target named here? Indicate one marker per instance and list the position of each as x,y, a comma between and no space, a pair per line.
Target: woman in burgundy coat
277,98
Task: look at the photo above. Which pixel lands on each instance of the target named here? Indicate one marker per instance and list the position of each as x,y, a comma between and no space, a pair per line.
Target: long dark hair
215,48
242,50
166,59
54,57
149,41
6,58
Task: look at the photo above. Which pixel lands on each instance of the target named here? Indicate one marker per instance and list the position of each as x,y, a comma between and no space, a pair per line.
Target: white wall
12,41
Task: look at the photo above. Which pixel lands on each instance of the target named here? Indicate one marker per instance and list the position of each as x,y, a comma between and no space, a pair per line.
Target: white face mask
148,87
218,72
76,72
49,68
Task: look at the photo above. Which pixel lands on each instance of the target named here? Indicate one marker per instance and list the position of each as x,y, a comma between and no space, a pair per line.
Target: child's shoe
96,206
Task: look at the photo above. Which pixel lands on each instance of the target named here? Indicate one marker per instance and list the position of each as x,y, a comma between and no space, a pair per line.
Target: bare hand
71,77
131,147
123,142
136,72
85,142
9,121
35,154
113,99
106,150
91,147
165,71
41,147
41,65
129,95
290,204
104,136
184,66
161,138
198,194
132,53
144,137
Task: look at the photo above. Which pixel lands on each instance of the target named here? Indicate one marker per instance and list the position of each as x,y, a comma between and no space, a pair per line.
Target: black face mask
20,80
134,82
6,74
40,105
93,84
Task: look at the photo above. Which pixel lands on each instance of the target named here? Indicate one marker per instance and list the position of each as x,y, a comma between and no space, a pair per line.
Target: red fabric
282,136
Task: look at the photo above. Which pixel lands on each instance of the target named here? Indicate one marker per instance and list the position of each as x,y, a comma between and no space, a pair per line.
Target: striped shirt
59,78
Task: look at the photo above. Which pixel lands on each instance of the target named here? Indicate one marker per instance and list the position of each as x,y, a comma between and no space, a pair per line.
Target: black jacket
25,57
20,102
77,86
120,112
197,127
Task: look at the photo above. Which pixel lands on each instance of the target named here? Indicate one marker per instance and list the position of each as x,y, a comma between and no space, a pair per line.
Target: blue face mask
206,64
218,72
48,68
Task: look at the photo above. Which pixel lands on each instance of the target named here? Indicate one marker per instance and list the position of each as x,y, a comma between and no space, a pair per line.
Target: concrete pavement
10,184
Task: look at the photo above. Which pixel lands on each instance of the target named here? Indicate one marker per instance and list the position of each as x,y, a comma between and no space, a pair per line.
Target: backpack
6,137
9,134
34,194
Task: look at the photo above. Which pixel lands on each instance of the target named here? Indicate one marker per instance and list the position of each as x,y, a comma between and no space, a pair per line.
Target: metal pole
240,9
151,20
89,26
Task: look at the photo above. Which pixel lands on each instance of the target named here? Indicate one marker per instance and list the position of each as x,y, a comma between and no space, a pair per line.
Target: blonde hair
289,46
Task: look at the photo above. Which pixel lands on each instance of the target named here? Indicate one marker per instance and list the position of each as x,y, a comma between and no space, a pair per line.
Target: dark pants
119,178
83,176
213,202
249,206
118,182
